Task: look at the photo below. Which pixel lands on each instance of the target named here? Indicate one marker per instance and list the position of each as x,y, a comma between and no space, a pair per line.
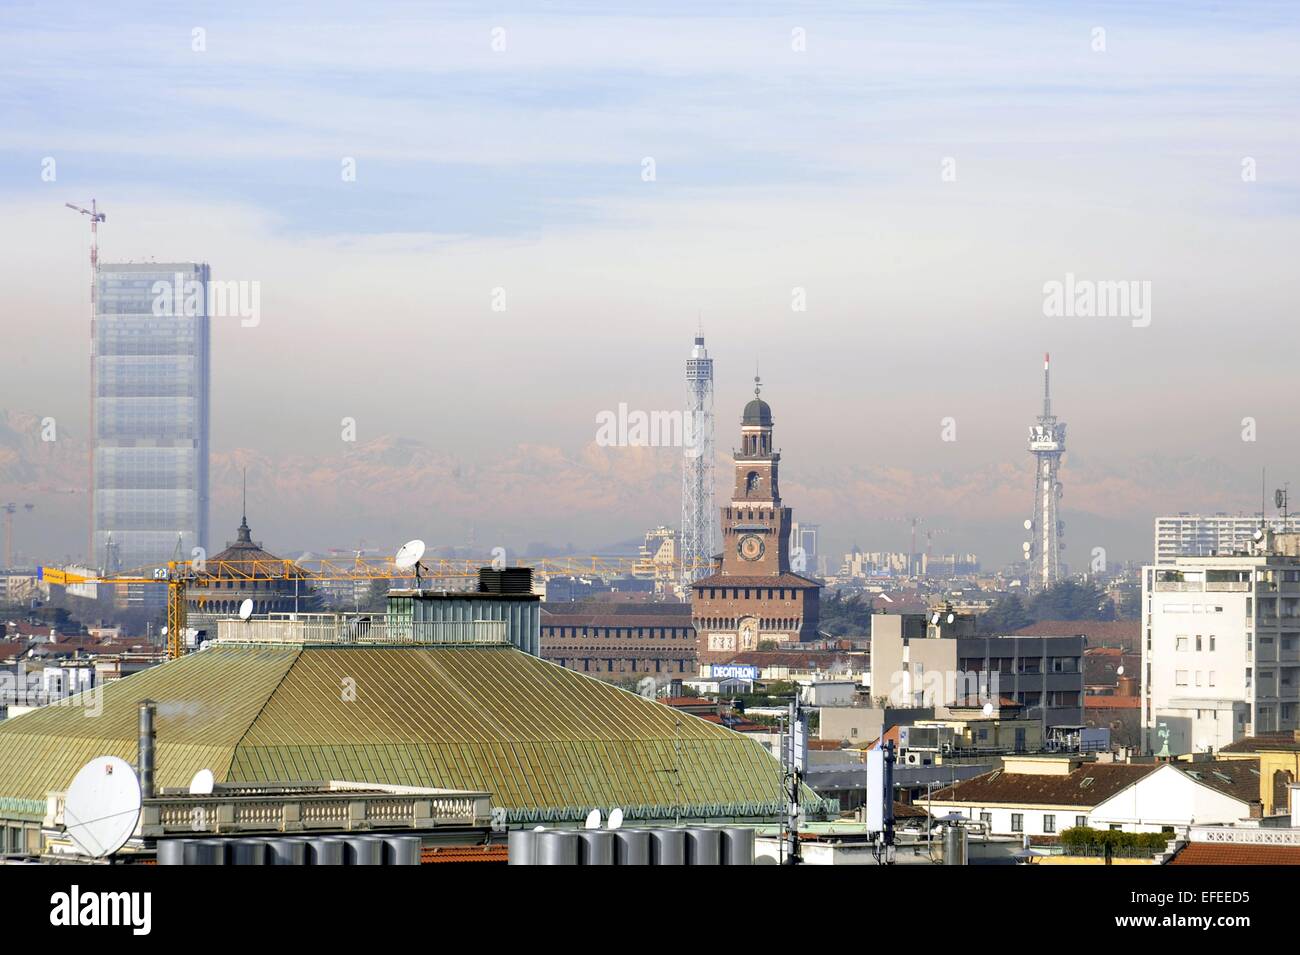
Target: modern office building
150,370
1221,647
1205,535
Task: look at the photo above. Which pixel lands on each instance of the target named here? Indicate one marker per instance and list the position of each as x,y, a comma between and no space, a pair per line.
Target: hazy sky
919,170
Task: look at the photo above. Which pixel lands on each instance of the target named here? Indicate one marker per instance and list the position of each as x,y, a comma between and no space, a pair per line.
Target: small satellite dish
593,820
246,608
409,554
203,783
951,617
1259,534
934,618
1119,671
988,709
102,806
1029,525
539,829
615,819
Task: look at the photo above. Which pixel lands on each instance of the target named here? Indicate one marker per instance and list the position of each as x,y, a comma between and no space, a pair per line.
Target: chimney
145,759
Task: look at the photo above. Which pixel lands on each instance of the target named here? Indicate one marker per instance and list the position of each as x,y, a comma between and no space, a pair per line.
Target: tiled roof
779,580
1088,785
1238,778
436,854
1115,633
1112,703
1213,853
1282,742
545,741
623,620
794,659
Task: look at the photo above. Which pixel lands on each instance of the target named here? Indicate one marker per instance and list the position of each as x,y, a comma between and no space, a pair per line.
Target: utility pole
96,217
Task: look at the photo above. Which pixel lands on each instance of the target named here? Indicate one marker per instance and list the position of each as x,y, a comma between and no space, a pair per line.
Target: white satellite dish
246,608
203,783
102,806
951,617
409,554
988,709
615,819
934,618
593,820
1119,671
1029,525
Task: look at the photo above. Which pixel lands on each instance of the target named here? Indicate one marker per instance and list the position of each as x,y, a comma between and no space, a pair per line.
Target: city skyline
920,305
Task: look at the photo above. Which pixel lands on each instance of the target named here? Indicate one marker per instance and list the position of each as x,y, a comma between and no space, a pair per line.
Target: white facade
1013,820
1220,651
1168,798
1205,535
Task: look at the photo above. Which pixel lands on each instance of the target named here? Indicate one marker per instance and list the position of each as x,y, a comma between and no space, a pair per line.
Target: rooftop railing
359,629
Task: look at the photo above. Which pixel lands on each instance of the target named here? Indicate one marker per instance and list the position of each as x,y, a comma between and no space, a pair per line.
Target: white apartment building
1221,647
1208,535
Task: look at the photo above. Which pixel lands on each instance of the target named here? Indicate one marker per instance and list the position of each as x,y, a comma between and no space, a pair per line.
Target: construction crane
96,217
9,510
180,576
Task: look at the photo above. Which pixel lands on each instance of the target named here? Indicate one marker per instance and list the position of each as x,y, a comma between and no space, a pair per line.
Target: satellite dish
593,820
203,783
615,819
246,608
1029,525
409,554
951,617
539,829
1119,671
934,618
988,709
102,806
1259,534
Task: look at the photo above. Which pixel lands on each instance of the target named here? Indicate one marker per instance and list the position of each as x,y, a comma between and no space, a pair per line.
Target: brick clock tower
754,596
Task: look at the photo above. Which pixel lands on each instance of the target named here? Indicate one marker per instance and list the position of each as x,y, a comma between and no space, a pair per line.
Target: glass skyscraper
150,394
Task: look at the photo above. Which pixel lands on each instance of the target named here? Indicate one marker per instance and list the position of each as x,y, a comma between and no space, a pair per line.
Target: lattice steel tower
1046,444
699,520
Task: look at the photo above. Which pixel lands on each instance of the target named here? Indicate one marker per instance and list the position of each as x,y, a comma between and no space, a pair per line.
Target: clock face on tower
751,547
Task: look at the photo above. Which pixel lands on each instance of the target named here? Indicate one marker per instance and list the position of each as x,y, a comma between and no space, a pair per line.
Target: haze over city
919,173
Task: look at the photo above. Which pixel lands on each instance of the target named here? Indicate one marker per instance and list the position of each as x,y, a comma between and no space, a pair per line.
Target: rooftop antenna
102,806
246,608
408,557
1280,497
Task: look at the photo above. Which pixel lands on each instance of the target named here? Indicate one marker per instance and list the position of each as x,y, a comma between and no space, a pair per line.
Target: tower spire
1047,385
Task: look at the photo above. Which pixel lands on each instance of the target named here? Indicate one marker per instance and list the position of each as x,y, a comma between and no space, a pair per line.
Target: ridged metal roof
547,742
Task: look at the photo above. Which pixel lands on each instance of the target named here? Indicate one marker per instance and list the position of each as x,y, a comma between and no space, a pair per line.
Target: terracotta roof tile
1088,785
434,854
1207,853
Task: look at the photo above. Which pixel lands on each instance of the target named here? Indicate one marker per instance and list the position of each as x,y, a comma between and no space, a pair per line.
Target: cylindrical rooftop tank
521,846
595,847
363,850
401,850
954,845
703,846
631,847
668,847
325,851
286,852
248,852
737,846
172,851
556,847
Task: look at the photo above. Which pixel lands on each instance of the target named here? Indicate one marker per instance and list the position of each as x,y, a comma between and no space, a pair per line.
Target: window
1180,677
1211,643
1180,643
1081,821
1017,822
986,818
1198,642
1049,822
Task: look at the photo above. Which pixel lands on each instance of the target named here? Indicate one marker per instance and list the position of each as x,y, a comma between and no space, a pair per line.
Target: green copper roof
547,742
